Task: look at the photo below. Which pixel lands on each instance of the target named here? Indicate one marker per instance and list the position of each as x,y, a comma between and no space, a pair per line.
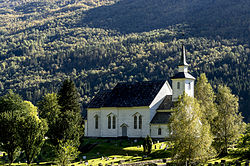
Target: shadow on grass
107,147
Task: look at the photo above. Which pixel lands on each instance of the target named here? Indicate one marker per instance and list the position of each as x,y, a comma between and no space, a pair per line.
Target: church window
178,85
96,122
114,122
189,85
159,131
140,122
135,122
109,122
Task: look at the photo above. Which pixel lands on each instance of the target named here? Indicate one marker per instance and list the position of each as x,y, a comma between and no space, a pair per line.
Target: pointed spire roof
183,57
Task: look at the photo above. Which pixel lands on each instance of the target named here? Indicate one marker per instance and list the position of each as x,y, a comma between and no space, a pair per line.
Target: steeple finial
183,57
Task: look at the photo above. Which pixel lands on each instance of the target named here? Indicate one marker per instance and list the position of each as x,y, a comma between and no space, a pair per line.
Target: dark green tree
69,97
69,123
11,107
147,145
244,141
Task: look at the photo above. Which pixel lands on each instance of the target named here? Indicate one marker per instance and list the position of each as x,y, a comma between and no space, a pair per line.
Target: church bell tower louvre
182,81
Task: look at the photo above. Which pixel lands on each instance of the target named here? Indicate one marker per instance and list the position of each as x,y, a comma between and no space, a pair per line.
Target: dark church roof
161,118
166,104
183,75
99,99
128,94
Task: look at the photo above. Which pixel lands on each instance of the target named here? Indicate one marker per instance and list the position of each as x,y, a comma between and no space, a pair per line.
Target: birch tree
229,122
192,138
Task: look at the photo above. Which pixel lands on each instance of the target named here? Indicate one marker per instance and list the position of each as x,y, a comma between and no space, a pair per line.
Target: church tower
182,81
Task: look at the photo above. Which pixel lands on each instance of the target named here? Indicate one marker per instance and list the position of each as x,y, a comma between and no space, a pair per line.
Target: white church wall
105,131
91,130
127,117
189,91
123,116
177,92
164,130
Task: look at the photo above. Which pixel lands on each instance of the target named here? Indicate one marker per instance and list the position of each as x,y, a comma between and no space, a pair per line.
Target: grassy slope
129,151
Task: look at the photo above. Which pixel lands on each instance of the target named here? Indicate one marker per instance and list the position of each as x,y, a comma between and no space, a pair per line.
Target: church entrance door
124,131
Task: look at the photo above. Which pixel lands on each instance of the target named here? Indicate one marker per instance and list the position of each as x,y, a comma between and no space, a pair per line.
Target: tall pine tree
70,121
69,97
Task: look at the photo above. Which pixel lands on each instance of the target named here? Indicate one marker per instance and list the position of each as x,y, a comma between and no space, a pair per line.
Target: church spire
183,57
182,81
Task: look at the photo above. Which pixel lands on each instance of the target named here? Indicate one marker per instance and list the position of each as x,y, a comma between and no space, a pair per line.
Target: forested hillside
101,42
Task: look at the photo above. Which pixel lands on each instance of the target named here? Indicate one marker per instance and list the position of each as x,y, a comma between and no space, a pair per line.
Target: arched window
140,122
96,122
114,122
109,122
189,85
178,85
159,131
135,122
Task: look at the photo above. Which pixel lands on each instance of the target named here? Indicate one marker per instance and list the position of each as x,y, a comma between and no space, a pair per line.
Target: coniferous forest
98,43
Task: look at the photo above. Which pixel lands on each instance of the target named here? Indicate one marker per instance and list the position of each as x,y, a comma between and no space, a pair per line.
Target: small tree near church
191,137
147,145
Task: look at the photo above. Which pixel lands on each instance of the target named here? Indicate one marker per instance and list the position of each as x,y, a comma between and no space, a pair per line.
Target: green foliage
64,118
11,107
8,135
147,145
49,109
66,151
68,97
229,123
31,132
244,142
70,118
204,94
21,128
191,136
10,102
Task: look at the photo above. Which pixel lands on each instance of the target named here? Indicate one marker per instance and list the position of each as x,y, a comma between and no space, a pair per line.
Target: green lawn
128,151
116,150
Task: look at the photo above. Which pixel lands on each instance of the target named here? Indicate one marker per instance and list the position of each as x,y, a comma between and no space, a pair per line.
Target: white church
138,109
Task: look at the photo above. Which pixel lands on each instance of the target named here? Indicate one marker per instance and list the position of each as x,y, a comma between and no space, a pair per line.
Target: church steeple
183,65
182,81
183,57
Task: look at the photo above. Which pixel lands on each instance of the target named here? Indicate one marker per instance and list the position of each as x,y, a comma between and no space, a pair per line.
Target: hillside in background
101,42
226,18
